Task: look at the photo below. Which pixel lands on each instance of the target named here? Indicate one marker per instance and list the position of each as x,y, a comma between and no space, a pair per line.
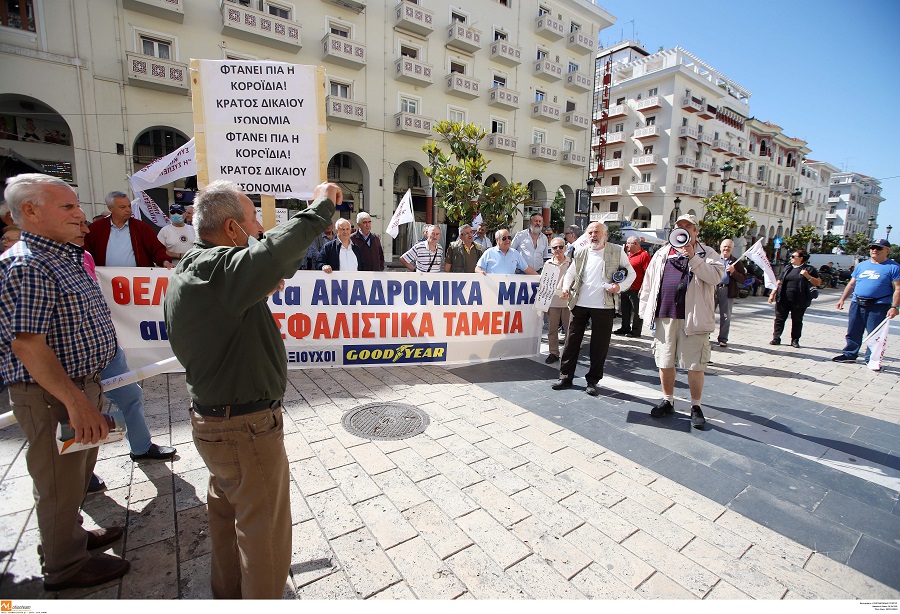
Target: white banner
356,319
261,124
143,204
403,215
876,341
758,255
179,164
547,289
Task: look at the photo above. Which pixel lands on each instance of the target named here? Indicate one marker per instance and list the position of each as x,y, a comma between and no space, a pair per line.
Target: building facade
97,89
853,201
815,182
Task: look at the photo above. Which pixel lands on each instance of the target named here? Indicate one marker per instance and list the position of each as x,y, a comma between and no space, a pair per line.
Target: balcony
646,160
681,188
685,161
578,82
646,104
615,137
688,132
739,177
549,28
704,137
546,111
540,151
151,72
703,166
463,38
707,111
258,27
581,43
173,10
691,104
354,5
608,190
642,188
547,70
741,153
462,86
617,110
721,145
742,200
413,17
345,111
715,170
606,217
413,124
571,158
700,192
732,151
502,142
576,121
341,50
614,164
831,215
413,71
648,132
503,97
503,52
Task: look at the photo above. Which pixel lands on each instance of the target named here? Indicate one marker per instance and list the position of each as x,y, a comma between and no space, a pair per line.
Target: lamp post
887,236
871,227
726,174
677,210
591,182
796,201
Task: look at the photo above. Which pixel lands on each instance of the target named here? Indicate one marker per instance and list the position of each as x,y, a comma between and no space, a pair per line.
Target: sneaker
843,358
96,484
562,383
775,341
795,343
723,344
551,359
663,409
697,419
592,390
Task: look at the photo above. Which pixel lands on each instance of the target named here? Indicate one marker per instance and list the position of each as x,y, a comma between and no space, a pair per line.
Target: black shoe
697,419
843,358
100,569
663,409
723,344
562,383
155,452
634,335
551,359
775,341
795,343
621,331
97,538
96,484
592,390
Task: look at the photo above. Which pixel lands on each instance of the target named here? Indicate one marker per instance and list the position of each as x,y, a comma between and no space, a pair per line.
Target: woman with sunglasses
793,295
554,271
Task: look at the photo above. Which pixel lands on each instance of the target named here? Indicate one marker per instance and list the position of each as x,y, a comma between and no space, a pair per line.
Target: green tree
724,219
856,244
894,254
614,232
458,179
802,237
557,212
829,242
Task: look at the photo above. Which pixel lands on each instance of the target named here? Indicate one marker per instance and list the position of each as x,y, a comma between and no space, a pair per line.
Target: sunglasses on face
877,247
558,247
506,238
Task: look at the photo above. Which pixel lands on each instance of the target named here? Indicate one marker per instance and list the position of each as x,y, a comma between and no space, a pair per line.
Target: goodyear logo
403,352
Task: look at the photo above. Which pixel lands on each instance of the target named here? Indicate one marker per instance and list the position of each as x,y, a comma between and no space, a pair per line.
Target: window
615,180
687,93
645,177
409,105
538,137
541,53
620,100
500,35
574,27
614,206
278,10
570,106
506,3
455,114
234,55
339,29
161,49
679,178
568,144
648,150
340,90
699,128
651,121
684,121
756,200
457,67
617,155
457,16
408,51
539,95
681,151
543,10
695,183
619,128
18,14
573,67
652,91
499,81
498,126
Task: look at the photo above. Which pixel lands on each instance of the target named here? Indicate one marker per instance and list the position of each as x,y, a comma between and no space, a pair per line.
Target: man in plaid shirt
56,335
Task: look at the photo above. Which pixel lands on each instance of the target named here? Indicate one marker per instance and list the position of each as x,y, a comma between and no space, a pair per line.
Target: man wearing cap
177,237
368,243
678,301
875,285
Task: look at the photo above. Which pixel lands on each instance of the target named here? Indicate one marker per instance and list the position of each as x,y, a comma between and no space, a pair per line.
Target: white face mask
251,241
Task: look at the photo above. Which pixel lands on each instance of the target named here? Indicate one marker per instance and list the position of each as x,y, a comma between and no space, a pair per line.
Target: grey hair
497,234
112,196
216,204
464,226
345,221
575,229
29,188
362,215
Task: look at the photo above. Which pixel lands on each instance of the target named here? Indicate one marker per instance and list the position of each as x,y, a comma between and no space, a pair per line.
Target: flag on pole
758,255
179,164
146,206
403,215
876,341
477,222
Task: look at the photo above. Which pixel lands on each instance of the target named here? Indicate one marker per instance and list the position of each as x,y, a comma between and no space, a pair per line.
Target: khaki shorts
670,344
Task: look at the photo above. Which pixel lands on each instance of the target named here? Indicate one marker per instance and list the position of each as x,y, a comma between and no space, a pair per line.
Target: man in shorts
678,297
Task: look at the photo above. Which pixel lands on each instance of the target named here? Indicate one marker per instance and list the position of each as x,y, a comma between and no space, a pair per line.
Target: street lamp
887,236
677,208
726,174
796,201
591,182
871,226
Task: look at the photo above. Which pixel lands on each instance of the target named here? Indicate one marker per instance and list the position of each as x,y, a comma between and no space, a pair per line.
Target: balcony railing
580,43
688,132
703,166
412,124
645,160
462,37
704,137
700,192
685,161
742,200
258,27
615,137
614,164
608,190
546,111
503,52
721,145
344,51
654,102
715,170
547,70
617,110
642,188
648,132
741,153
550,28
413,71
154,73
576,120
578,82
503,97
572,158
707,111
691,105
681,188
462,86
502,142
546,153
414,18
173,10
345,111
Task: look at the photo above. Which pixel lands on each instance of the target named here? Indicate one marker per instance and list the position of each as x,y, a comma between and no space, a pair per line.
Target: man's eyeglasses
506,238
555,247
794,256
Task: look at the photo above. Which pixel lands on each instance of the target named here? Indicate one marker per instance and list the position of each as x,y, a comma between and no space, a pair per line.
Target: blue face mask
177,218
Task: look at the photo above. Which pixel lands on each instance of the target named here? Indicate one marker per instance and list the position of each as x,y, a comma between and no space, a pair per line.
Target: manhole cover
386,421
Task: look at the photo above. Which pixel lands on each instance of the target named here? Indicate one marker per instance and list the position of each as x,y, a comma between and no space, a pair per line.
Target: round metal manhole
385,421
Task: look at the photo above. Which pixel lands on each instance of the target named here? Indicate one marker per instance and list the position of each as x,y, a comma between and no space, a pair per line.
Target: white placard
281,215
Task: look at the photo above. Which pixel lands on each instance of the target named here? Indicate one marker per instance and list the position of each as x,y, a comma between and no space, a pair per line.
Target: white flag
143,204
876,341
758,255
179,164
477,222
403,215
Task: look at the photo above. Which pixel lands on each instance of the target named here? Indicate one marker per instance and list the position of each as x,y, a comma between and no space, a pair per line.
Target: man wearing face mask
222,332
176,237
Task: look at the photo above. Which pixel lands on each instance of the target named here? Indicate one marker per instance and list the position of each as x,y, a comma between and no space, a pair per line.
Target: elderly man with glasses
875,285
503,259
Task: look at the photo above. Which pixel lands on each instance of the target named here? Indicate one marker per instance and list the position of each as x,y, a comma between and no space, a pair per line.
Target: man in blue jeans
875,285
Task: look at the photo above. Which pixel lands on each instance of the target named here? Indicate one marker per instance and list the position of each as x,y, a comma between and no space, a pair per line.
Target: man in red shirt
631,317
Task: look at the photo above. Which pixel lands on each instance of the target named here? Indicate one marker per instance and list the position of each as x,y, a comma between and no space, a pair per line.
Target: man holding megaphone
678,299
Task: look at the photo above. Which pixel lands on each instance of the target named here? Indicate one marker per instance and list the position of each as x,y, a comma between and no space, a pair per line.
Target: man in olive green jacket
223,333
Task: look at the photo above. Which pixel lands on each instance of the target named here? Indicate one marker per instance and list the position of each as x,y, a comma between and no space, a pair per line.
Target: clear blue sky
827,72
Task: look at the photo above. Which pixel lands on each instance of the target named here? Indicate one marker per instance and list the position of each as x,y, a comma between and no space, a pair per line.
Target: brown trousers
249,503
60,482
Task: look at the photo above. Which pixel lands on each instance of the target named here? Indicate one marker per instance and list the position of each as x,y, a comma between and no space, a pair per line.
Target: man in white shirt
340,254
589,288
176,237
482,238
532,243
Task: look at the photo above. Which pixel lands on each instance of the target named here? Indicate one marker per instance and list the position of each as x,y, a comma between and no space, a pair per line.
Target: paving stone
367,566
331,453
371,459
154,572
660,586
596,582
583,462
462,449
466,431
438,529
425,573
851,513
150,521
314,429
190,488
857,584
24,567
331,587
141,491
560,520
412,464
402,491
869,557
627,567
501,545
724,591
449,497
425,446
601,517
736,572
687,573
636,491
312,476
385,522
502,507
553,549
798,580
592,487
499,476
687,498
296,447
396,591
656,525
765,538
193,533
482,576
544,481
696,524
355,483
334,513
541,581
501,453
311,555
300,511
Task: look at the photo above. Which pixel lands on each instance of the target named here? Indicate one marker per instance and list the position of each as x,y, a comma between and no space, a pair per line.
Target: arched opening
34,138
640,217
540,198
350,172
